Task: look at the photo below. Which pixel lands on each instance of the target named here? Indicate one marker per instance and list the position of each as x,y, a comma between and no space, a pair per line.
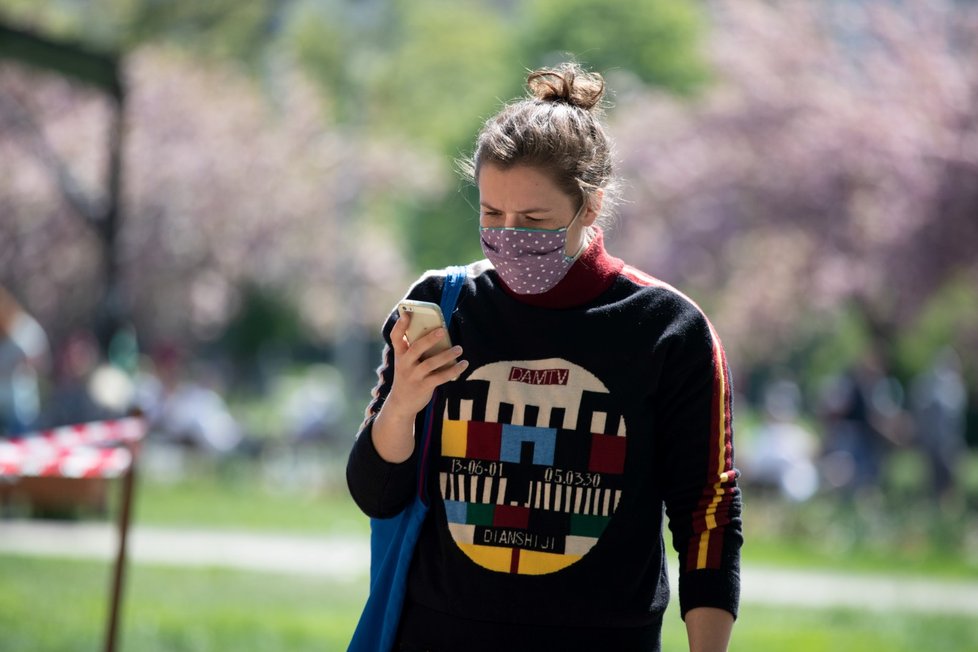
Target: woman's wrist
393,434
709,629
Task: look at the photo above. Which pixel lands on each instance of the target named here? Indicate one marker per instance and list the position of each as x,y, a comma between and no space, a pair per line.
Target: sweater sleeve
702,498
380,488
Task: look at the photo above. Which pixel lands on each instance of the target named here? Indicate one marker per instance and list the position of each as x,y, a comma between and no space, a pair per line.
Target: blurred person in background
861,410
782,453
591,397
939,401
183,405
71,399
23,357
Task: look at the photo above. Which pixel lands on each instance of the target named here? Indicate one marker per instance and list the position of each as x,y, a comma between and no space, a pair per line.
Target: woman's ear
593,209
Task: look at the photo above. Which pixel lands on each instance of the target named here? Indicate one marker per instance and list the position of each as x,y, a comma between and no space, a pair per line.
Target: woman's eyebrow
525,211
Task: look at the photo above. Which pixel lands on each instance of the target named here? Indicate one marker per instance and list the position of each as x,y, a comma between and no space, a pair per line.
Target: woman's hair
555,129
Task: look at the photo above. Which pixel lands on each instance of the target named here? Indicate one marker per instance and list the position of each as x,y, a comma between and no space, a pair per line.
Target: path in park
346,558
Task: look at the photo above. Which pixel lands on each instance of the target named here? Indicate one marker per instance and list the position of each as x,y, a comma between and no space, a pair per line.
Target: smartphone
425,317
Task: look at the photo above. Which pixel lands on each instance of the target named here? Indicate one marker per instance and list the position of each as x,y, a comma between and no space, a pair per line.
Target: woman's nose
511,221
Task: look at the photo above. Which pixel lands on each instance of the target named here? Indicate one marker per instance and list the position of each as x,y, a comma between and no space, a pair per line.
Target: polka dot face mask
530,261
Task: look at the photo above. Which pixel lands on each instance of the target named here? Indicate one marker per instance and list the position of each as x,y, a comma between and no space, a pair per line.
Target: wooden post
115,601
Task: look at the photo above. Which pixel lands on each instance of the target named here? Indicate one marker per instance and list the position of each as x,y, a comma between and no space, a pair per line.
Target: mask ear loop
586,240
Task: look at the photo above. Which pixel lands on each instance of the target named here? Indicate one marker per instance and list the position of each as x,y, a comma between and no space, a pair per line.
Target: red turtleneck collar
590,275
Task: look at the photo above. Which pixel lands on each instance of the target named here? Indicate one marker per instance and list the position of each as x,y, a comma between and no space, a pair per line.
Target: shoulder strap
450,291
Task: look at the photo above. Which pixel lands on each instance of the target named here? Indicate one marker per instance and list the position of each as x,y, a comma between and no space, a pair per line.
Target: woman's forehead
519,184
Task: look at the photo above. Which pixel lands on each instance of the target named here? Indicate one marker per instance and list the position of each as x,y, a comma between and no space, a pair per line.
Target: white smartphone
425,317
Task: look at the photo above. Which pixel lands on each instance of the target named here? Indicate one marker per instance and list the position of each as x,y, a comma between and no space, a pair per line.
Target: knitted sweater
586,412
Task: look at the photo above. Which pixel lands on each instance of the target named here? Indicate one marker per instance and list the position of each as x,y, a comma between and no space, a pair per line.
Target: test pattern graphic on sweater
531,465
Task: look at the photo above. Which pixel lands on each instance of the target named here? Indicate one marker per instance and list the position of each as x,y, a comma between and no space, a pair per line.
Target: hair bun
568,83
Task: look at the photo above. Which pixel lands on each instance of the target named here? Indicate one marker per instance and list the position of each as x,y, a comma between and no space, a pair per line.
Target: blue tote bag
392,540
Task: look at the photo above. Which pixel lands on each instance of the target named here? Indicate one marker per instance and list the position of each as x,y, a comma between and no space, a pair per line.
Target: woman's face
525,197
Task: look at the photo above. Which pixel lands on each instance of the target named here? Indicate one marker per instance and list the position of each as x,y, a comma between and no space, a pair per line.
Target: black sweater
584,412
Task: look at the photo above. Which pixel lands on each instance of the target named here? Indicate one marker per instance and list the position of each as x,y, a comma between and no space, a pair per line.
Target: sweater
586,413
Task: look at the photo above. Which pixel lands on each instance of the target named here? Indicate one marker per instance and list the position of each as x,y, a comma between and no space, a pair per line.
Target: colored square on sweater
480,514
607,454
587,526
511,516
484,440
453,436
455,511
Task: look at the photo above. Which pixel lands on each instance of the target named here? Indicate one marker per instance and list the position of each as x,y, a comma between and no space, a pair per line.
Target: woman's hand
415,379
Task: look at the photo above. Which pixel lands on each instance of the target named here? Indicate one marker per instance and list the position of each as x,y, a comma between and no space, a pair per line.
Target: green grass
870,537
815,555
238,495
770,628
59,606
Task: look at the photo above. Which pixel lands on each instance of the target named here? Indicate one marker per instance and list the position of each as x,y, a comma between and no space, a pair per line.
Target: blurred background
207,209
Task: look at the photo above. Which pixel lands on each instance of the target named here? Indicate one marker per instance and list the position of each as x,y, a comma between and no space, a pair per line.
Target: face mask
530,261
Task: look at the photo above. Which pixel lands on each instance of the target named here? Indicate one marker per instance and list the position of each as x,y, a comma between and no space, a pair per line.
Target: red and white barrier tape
88,450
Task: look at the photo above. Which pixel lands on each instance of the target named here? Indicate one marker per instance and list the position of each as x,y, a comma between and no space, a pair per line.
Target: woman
581,399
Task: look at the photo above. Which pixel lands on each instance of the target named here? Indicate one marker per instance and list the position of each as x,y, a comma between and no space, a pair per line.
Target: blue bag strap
454,280
450,291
